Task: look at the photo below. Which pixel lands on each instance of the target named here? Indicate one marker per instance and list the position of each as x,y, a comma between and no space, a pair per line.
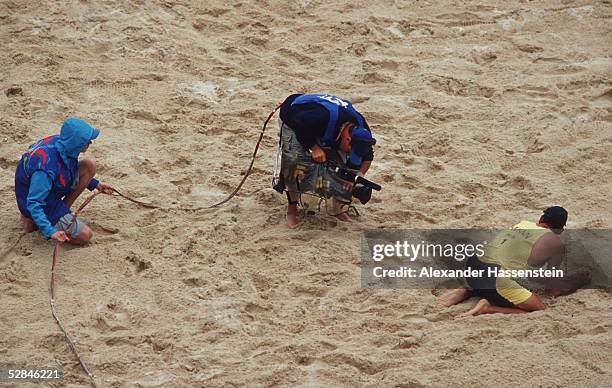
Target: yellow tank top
511,248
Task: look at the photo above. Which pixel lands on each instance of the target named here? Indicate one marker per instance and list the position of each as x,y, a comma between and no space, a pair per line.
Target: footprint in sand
461,88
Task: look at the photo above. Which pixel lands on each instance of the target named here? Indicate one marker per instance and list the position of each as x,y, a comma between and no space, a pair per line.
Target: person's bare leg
341,214
292,210
83,237
452,297
484,307
28,224
87,170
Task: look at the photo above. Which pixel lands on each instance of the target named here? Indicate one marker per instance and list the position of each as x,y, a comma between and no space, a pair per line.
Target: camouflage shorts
301,174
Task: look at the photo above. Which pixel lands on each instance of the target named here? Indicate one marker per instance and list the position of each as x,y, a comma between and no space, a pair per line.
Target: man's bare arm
365,166
550,250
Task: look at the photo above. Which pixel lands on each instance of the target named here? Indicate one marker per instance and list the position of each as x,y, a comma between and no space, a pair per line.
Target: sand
485,113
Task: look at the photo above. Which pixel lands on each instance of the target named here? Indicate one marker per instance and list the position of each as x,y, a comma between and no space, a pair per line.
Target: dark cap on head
555,217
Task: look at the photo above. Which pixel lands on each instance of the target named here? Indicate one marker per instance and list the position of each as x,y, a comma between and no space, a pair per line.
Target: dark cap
555,217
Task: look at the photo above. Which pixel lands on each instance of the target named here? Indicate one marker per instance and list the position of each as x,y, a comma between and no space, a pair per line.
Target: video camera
363,187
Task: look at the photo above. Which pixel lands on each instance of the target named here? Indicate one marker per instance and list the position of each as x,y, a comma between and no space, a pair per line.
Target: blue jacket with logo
49,171
317,118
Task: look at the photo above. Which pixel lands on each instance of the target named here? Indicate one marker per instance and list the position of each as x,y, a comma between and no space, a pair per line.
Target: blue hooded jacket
333,105
49,171
318,119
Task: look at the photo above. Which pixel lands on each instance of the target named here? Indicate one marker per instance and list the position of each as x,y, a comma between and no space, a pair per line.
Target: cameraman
316,128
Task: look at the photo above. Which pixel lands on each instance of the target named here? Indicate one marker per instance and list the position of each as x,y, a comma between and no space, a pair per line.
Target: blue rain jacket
333,105
49,171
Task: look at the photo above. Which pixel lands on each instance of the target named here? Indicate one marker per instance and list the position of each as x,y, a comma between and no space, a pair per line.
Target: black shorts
485,286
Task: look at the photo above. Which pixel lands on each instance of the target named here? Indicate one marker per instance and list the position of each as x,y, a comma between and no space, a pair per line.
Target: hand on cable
318,155
60,236
105,188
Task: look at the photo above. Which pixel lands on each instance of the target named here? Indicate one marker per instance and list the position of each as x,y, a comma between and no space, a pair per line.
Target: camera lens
362,193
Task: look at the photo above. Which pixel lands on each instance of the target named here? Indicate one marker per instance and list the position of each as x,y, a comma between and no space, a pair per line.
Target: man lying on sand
316,128
49,178
526,245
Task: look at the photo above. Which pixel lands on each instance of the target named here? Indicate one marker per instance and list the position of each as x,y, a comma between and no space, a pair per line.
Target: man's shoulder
43,155
550,241
288,101
307,112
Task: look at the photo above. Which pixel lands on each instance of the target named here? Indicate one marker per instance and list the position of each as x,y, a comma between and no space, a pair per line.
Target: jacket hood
74,135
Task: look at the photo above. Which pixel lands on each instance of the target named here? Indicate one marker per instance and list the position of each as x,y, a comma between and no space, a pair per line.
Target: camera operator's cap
361,144
95,133
555,217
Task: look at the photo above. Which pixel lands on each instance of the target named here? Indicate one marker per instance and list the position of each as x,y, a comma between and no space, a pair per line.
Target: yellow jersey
511,248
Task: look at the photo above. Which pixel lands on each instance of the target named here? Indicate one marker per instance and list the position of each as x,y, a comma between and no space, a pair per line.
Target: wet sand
485,114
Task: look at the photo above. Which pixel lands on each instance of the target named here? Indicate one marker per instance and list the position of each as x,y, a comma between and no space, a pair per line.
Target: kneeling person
527,245
49,178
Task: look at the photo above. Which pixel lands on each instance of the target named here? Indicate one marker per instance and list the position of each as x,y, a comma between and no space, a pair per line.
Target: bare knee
84,237
87,167
28,224
532,304
540,306
86,234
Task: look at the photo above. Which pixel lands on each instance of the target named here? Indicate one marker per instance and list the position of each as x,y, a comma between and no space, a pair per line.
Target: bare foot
482,307
28,224
292,220
452,297
337,209
344,217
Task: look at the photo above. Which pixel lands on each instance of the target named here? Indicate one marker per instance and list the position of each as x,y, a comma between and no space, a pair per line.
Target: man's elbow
33,206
